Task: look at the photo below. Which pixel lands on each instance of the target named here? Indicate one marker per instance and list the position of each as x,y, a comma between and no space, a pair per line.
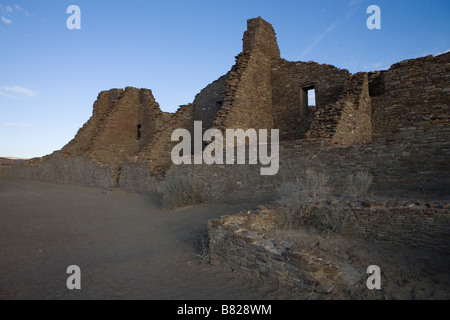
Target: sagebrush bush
358,185
299,195
203,248
178,192
329,220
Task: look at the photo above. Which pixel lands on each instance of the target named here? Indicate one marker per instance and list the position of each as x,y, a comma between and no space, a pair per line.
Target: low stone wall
239,242
136,177
419,224
74,170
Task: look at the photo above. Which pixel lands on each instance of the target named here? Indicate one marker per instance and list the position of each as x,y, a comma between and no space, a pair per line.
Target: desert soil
129,248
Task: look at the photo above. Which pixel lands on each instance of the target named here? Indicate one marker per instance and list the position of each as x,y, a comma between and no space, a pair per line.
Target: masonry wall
260,35
247,97
348,121
82,142
239,242
395,166
209,101
417,224
403,110
287,80
73,170
412,93
157,154
150,117
135,176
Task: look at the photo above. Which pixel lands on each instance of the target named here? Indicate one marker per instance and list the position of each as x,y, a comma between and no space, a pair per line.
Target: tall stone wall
348,121
248,97
82,142
395,166
150,117
260,35
112,134
412,93
393,123
209,101
288,79
157,154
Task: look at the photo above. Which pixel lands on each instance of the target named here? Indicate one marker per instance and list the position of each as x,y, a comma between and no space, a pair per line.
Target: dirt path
125,245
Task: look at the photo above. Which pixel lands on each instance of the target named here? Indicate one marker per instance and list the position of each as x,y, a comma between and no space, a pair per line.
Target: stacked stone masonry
392,123
239,242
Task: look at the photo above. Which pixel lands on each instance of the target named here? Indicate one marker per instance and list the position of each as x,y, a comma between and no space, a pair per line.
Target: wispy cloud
354,3
20,124
18,8
318,40
4,94
353,7
10,12
330,28
17,92
6,20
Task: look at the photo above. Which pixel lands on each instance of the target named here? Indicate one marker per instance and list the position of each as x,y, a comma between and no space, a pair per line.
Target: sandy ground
128,248
125,245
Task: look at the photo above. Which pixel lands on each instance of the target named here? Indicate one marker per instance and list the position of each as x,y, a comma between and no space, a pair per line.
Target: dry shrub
299,196
329,220
178,192
203,248
358,185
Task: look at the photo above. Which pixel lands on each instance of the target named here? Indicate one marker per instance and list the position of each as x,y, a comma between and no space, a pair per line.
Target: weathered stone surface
247,250
393,124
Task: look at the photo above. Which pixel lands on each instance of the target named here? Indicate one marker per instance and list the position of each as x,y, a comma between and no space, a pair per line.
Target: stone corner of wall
239,242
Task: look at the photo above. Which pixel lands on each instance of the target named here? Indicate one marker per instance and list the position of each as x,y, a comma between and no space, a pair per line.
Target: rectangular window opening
139,131
309,96
312,97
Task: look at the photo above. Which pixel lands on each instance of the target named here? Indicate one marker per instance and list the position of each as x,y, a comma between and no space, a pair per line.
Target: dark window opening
139,131
309,96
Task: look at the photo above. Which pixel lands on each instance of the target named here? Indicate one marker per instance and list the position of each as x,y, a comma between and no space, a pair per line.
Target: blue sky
50,76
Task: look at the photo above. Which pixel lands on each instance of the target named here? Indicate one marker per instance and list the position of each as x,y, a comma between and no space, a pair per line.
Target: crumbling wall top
261,35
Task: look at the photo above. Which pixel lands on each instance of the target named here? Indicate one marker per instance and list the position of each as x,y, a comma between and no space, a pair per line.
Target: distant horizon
51,75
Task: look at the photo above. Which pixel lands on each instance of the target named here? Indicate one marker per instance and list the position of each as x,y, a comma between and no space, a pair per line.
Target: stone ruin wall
412,93
287,80
96,154
248,97
393,123
239,242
